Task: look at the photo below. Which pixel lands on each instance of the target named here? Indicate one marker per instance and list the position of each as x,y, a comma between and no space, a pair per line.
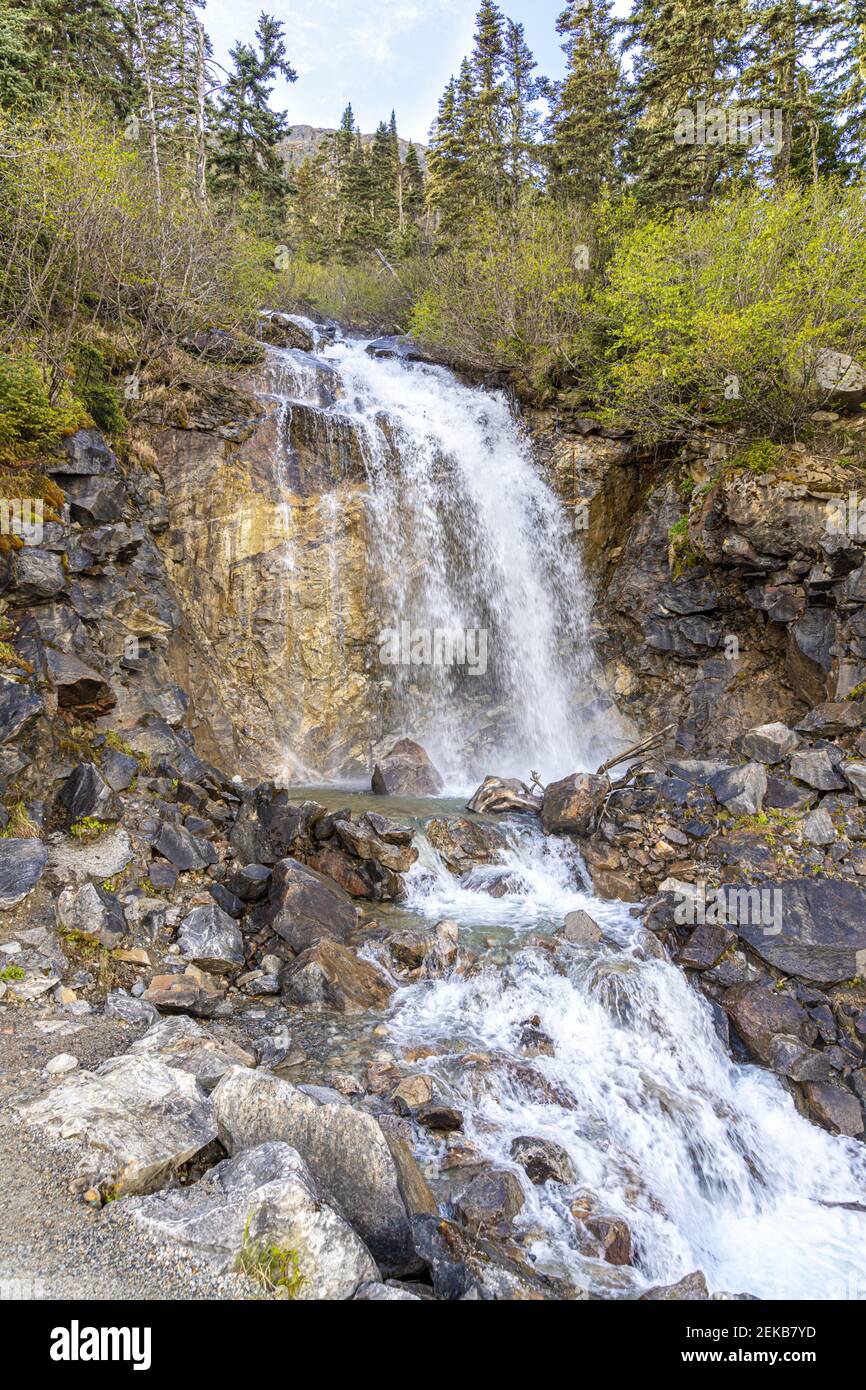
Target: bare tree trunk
200,146
151,106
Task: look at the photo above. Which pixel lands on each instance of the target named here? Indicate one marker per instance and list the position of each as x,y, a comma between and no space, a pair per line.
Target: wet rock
361,840
770,743
580,929
305,907
411,1092
534,1042
140,1121
250,883
693,1288
741,790
464,844
832,719
759,1014
434,1115
194,993
86,793
183,850
264,1198
406,771
814,767
491,1201
391,831
855,775
441,957
613,1237
92,912
464,1265
818,828
329,975
211,939
836,1109
543,1160
571,805
22,864
345,1150
793,1059
19,708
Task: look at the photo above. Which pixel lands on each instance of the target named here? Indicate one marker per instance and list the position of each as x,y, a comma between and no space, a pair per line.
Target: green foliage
29,423
760,457
94,386
87,828
11,972
19,826
276,1269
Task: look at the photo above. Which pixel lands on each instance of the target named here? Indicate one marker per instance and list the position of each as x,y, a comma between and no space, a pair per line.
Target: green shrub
29,423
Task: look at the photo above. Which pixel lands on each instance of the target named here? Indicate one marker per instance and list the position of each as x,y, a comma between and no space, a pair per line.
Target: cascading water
708,1162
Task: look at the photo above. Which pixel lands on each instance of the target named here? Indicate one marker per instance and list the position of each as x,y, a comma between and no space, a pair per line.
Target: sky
378,54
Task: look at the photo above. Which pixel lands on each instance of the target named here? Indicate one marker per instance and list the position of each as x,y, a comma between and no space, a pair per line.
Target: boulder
543,1160
491,1201
613,1237
705,946
140,1121
835,1108
194,992
361,840
441,957
759,1014
693,1288
118,769
464,844
95,499
580,929
108,856
817,828
498,794
19,707
186,1046
741,790
814,767
78,686
211,939
839,377
331,976
406,771
86,793
832,719
250,883
37,574
570,806
305,907
345,1150
769,743
823,930
22,864
93,912
182,849
855,775
263,1200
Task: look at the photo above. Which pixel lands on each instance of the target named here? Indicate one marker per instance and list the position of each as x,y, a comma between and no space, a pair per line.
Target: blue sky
376,53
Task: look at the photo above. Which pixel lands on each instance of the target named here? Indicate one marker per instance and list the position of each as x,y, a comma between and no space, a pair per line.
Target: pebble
63,1062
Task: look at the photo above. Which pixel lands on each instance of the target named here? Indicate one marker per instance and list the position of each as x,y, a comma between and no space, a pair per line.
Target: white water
468,540
707,1161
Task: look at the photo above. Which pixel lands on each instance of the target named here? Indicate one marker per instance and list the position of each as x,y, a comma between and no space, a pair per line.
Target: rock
434,1115
391,831
86,793
22,864
464,1265
106,858
37,574
345,1150
118,769
491,1201
92,912
264,1199
193,993
406,771
306,907
19,708
830,720
822,929
412,1091
385,1293
211,939
693,1288
613,1236
580,929
759,1014
61,1064
181,1043
855,775
331,976
570,806
814,767
836,1109
705,946
543,1160
78,686
183,850
121,1005
226,900
250,883
770,743
362,841
441,957
464,844
140,1121
95,499
145,916
741,790
838,376
818,828
793,1059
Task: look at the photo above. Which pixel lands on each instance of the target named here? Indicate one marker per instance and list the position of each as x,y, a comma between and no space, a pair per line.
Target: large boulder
22,864
570,806
211,939
185,1045
543,1160
330,976
815,767
741,790
818,932
406,771
464,844
760,1014
264,1200
305,906
362,840
770,743
345,1149
139,1120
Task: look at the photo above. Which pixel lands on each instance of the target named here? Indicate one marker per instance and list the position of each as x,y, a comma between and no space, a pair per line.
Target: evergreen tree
69,46
587,120
246,160
447,161
522,90
484,107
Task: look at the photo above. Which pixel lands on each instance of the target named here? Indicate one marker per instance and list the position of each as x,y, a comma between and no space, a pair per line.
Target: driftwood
498,794
646,745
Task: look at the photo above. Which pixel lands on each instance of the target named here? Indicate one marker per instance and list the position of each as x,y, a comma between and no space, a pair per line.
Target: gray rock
118,769
86,793
741,790
105,858
855,775
543,1160
345,1149
580,929
823,930
77,684
818,828
182,849
265,1197
838,376
211,939
22,864
121,1005
19,707
93,912
305,906
693,1288
406,771
385,1293
139,1120
250,883
770,743
180,1042
95,499
491,1200
831,719
759,1014
814,767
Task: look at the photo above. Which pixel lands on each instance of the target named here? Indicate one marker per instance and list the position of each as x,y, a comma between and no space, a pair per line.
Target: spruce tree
522,90
586,124
483,102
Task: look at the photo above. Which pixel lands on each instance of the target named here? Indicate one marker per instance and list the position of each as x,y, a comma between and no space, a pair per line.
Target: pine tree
842,69
21,71
483,108
522,90
447,163
687,55
70,46
587,120
246,161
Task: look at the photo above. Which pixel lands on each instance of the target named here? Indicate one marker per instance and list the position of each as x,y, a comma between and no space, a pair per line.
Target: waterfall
482,641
